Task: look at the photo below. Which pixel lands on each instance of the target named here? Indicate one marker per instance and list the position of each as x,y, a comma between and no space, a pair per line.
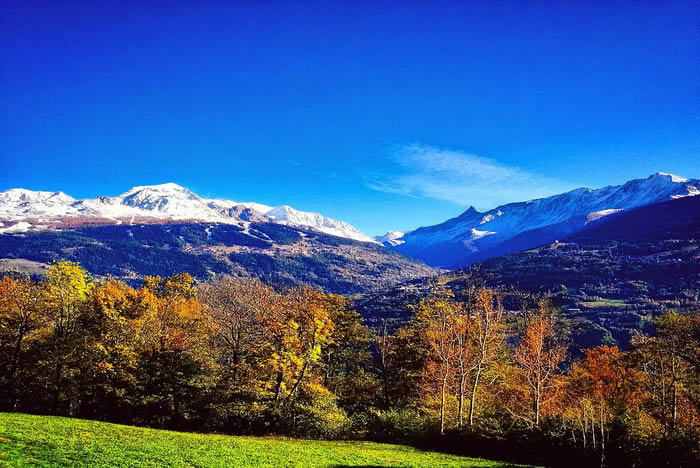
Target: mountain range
157,229
26,210
474,236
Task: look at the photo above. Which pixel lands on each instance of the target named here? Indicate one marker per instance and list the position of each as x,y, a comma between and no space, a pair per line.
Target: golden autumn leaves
259,350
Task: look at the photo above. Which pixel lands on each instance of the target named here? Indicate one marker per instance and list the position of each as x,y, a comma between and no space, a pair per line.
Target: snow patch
692,192
674,178
475,234
288,215
392,238
599,214
19,227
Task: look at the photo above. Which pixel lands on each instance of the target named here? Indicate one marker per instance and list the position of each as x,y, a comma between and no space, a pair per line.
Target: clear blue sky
388,115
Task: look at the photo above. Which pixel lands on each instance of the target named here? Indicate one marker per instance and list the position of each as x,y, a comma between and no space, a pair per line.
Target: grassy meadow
57,441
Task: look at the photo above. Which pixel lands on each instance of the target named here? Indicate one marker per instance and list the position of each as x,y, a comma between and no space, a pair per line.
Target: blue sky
388,115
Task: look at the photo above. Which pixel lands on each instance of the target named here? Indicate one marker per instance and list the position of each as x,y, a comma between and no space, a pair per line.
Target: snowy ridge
25,210
444,244
288,215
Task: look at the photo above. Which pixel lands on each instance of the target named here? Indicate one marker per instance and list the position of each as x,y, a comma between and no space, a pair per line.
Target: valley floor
55,441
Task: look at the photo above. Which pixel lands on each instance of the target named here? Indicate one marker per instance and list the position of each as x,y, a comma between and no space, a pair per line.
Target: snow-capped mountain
474,235
23,210
391,238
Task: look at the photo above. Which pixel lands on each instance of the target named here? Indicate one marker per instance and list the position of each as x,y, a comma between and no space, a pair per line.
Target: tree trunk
293,392
56,387
472,402
537,405
385,381
327,373
602,438
460,410
674,409
176,410
278,389
16,353
664,409
442,406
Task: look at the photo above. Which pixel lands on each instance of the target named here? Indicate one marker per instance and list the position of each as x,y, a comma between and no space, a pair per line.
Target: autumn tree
485,338
67,294
111,352
299,329
438,317
240,312
600,388
669,363
539,355
173,344
401,359
346,358
21,314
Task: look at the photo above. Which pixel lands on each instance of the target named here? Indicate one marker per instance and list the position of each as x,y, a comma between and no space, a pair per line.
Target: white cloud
462,178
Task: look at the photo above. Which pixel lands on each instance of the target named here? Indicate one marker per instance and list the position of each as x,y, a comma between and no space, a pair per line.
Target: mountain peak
471,211
166,187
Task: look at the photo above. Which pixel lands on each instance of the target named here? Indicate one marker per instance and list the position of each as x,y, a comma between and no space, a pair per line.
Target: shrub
398,425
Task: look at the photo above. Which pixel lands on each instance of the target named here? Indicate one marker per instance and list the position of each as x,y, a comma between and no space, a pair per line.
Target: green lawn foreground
55,441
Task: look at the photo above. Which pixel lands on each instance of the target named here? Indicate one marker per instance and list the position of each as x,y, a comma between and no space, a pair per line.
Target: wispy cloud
462,178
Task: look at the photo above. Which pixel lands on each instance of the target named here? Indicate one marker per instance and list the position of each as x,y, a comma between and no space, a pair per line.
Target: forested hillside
275,253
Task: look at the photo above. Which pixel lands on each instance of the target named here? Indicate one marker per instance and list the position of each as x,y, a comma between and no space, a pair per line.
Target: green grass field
54,441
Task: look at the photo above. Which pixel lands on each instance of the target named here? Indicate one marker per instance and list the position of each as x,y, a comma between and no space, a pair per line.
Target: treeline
238,356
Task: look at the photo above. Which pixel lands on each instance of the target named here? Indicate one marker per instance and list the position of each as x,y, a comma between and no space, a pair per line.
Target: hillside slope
275,253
